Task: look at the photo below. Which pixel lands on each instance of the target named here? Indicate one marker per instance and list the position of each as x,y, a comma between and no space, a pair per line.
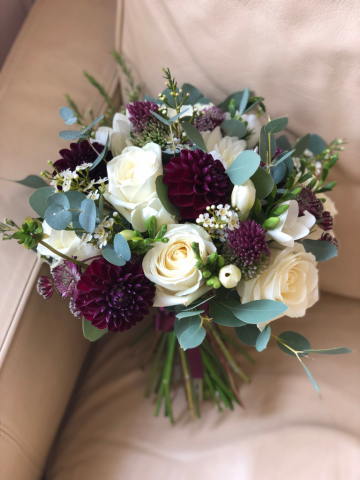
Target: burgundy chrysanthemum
326,221
80,153
246,248
195,180
45,287
209,119
66,276
308,201
145,126
113,297
326,237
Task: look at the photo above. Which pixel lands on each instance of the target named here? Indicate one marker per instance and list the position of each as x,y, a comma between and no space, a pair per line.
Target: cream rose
132,177
67,243
172,266
225,149
292,278
148,209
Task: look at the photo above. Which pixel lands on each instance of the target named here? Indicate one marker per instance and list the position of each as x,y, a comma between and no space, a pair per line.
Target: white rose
254,126
119,134
132,177
148,209
292,278
291,227
229,276
67,243
172,266
243,197
227,147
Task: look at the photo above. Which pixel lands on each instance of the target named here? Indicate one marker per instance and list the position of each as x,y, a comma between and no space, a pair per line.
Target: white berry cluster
217,219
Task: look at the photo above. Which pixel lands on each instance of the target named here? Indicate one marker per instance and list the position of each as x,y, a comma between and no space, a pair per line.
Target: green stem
155,366
233,342
187,383
65,257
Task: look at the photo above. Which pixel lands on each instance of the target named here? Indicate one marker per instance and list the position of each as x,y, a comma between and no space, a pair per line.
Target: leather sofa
72,411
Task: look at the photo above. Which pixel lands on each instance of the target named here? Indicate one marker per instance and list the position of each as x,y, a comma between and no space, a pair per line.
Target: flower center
118,297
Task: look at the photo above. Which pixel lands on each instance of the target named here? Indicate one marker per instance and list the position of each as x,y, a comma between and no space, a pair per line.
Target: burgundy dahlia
326,237
195,180
246,248
45,287
145,126
113,297
326,221
308,201
66,276
209,119
80,153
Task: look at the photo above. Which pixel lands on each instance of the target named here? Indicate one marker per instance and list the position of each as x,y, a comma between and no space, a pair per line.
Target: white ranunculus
67,243
228,147
132,177
119,134
254,126
292,278
172,266
148,209
243,197
229,276
291,227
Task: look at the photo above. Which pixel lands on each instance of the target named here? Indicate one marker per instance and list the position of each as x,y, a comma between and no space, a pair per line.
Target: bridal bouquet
205,212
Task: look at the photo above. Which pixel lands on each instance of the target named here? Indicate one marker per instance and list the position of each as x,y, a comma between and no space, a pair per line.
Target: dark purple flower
246,248
209,119
145,126
45,287
113,297
80,153
326,221
308,201
195,180
277,152
66,276
326,237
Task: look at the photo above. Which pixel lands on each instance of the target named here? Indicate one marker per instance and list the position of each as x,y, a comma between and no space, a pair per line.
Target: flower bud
230,276
271,223
127,234
243,197
220,261
206,274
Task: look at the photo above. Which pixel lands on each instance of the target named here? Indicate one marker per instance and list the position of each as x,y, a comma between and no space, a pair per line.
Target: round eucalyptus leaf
66,113
71,121
87,217
57,218
38,200
112,257
75,198
295,341
247,334
59,199
121,247
243,167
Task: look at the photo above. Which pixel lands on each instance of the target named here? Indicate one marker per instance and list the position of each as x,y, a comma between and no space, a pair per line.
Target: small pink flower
45,287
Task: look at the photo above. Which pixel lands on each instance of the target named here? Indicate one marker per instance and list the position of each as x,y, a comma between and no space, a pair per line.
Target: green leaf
283,143
185,314
248,334
66,113
296,341
278,173
161,190
265,147
321,250
92,333
263,183
113,257
121,247
316,144
310,377
161,119
244,101
151,226
330,351
243,167
32,181
192,337
263,339
57,217
259,311
102,154
195,95
277,125
178,115
197,303
253,105
301,145
234,128
149,98
283,156
221,313
38,200
94,122
58,199
75,198
71,135
194,135
87,217
237,96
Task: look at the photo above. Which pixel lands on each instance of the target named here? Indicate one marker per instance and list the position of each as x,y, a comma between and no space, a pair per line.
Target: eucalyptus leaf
87,216
102,154
66,113
277,125
112,257
316,144
194,135
247,334
263,183
283,143
38,200
283,156
192,337
331,351
243,167
161,119
253,105
94,122
301,145
72,135
161,190
178,115
321,250
59,199
237,96
265,147
278,173
121,247
244,101
75,198
234,128
186,314
197,303
222,315
259,311
92,333
32,181
310,377
295,341
57,217
181,325
71,121
263,339
149,98
195,95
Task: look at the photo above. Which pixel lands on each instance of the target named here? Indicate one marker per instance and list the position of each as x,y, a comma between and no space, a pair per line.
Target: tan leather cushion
41,343
285,432
303,57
